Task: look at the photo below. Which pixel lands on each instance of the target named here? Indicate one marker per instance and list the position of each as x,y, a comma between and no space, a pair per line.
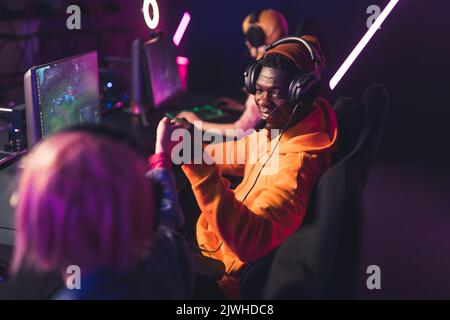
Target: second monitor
162,78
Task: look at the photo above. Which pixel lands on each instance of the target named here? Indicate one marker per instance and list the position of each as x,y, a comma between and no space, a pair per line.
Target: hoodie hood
317,132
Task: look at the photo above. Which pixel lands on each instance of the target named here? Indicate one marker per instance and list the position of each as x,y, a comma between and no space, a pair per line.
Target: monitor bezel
33,104
172,99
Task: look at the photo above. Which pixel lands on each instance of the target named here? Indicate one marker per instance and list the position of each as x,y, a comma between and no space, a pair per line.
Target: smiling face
272,88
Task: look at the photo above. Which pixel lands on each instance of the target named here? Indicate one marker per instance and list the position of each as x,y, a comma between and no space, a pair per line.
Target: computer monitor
161,72
9,166
62,93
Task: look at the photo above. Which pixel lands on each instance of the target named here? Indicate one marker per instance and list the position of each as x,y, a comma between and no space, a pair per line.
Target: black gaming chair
320,259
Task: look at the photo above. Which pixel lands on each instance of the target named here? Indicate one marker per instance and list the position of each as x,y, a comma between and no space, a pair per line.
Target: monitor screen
63,93
9,166
162,70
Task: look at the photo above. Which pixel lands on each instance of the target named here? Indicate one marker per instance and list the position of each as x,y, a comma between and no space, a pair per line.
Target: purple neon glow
182,61
181,28
362,44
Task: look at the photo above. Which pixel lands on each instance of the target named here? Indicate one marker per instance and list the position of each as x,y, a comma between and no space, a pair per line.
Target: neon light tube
362,44
181,28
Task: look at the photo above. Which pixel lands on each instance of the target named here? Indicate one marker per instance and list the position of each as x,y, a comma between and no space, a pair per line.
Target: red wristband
160,160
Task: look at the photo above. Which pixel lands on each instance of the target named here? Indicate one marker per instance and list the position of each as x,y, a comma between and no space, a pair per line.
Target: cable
259,173
273,151
211,251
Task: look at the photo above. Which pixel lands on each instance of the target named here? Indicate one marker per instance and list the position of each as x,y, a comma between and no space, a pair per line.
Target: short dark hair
278,61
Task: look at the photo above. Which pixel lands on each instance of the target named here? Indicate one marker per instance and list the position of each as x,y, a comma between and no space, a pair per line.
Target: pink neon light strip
181,28
362,44
182,61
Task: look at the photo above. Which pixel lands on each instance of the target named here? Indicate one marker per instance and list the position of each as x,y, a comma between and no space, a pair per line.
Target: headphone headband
254,16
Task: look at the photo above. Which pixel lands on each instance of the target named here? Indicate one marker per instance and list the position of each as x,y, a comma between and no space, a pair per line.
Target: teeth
265,113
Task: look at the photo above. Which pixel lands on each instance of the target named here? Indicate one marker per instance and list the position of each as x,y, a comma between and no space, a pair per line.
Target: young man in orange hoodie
241,225
260,28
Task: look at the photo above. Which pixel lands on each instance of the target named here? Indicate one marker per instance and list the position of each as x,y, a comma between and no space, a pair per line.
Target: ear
254,53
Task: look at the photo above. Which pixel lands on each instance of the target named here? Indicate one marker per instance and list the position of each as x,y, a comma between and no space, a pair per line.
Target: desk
125,122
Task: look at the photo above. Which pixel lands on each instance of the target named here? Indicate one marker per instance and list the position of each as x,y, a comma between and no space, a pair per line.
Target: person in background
260,29
86,198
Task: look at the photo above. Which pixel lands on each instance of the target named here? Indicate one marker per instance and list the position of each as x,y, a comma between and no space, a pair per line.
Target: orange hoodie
236,232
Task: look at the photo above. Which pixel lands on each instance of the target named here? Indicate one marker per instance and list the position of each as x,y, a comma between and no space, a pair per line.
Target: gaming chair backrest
337,206
319,260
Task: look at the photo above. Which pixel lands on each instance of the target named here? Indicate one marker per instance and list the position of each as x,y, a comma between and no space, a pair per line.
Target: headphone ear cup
250,76
255,36
302,85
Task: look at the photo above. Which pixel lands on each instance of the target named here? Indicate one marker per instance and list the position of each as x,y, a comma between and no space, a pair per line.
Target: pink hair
83,200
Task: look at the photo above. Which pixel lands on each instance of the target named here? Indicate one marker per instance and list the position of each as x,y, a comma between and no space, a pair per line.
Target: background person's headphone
302,84
255,34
